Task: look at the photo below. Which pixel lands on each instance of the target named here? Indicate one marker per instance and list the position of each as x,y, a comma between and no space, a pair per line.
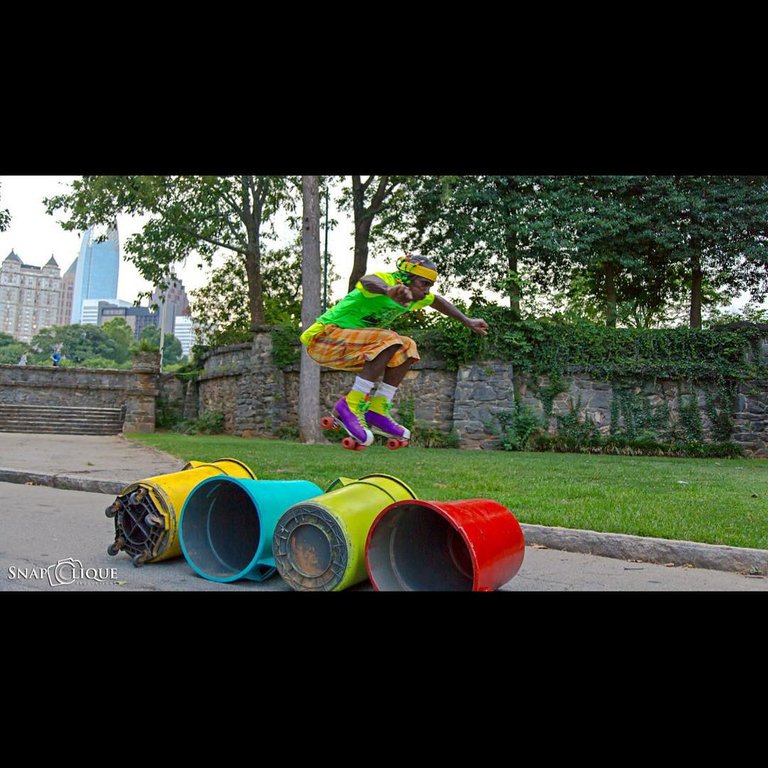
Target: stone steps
67,420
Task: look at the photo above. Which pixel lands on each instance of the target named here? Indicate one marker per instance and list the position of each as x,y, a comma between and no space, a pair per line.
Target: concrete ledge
64,482
649,550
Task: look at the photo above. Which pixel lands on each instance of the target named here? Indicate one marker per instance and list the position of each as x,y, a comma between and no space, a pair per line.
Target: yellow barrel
319,544
147,512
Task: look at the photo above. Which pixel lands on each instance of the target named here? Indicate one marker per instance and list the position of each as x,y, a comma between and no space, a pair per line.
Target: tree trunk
514,283
309,372
697,278
360,265
252,217
255,294
610,294
363,219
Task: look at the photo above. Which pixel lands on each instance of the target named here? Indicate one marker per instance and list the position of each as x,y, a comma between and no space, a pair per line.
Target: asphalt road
55,540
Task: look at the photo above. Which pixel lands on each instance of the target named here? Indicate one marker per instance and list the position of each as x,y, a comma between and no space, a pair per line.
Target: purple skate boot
348,414
378,418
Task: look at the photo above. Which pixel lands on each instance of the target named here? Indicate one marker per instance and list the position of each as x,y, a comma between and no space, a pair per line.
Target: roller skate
379,419
348,414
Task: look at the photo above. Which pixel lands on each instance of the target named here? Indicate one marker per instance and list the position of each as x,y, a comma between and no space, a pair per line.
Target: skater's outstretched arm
476,324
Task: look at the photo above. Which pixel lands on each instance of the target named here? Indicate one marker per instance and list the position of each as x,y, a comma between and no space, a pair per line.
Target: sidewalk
80,462
107,464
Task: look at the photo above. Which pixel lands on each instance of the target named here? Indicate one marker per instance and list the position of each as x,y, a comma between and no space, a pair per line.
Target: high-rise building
67,291
170,303
184,331
96,274
138,318
29,296
91,314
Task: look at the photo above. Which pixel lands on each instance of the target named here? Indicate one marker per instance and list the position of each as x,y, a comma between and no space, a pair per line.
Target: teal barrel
227,523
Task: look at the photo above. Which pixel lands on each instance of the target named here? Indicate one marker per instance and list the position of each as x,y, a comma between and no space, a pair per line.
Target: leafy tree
118,330
367,198
637,245
172,351
11,350
478,228
187,214
78,343
219,307
717,228
595,239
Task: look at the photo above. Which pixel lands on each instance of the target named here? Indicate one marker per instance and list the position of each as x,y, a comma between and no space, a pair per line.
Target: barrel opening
220,529
414,548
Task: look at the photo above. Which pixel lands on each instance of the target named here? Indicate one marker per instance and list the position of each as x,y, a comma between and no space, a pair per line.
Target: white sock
387,390
362,385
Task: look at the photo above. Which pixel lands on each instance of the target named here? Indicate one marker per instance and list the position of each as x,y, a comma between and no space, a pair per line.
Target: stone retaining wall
136,389
257,398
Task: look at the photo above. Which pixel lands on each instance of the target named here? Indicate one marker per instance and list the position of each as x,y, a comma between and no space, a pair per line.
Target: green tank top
363,309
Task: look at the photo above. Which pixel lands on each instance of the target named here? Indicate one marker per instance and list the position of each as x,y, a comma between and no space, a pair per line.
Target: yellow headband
417,269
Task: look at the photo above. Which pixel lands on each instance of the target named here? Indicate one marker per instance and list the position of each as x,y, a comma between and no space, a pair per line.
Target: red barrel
467,545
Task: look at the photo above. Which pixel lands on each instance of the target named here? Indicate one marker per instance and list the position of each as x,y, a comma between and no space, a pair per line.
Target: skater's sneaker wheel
350,444
403,443
326,422
393,443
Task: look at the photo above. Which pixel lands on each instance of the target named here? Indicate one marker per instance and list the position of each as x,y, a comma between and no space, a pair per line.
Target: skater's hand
478,325
400,293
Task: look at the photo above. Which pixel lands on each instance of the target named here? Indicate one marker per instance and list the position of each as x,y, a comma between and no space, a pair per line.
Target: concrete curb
63,481
621,546
616,545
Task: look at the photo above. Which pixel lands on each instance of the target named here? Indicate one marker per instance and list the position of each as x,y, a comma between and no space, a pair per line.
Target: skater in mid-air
352,336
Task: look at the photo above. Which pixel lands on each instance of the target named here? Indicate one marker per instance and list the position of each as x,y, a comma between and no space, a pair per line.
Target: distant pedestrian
23,359
56,357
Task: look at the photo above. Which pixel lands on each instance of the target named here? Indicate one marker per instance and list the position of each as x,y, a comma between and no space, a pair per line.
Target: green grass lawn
718,501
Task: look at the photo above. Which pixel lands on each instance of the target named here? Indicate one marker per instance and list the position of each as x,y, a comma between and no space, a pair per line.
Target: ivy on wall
550,348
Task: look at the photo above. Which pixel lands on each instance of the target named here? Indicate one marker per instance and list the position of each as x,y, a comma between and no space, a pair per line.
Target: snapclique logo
66,571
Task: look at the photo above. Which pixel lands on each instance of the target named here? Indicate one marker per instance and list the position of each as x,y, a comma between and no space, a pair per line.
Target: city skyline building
184,331
172,302
29,296
67,292
137,318
97,271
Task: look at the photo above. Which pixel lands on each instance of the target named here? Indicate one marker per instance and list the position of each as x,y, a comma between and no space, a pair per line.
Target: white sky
35,236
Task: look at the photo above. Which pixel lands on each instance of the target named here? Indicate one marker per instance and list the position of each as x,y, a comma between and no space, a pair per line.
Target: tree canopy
201,215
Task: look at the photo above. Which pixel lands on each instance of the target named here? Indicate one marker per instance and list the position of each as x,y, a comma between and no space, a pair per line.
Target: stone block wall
135,389
257,398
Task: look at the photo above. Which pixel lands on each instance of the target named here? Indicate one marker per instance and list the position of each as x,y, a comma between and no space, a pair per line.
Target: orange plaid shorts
348,349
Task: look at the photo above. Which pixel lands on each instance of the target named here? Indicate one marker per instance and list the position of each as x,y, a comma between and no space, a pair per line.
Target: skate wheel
403,443
112,550
360,447
392,443
112,509
326,422
349,443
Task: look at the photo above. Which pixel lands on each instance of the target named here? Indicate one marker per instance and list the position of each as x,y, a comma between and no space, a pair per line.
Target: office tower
67,292
97,270
184,331
170,303
137,318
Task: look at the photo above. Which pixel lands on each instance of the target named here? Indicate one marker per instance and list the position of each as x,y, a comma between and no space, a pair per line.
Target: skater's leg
374,369
393,376
378,416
